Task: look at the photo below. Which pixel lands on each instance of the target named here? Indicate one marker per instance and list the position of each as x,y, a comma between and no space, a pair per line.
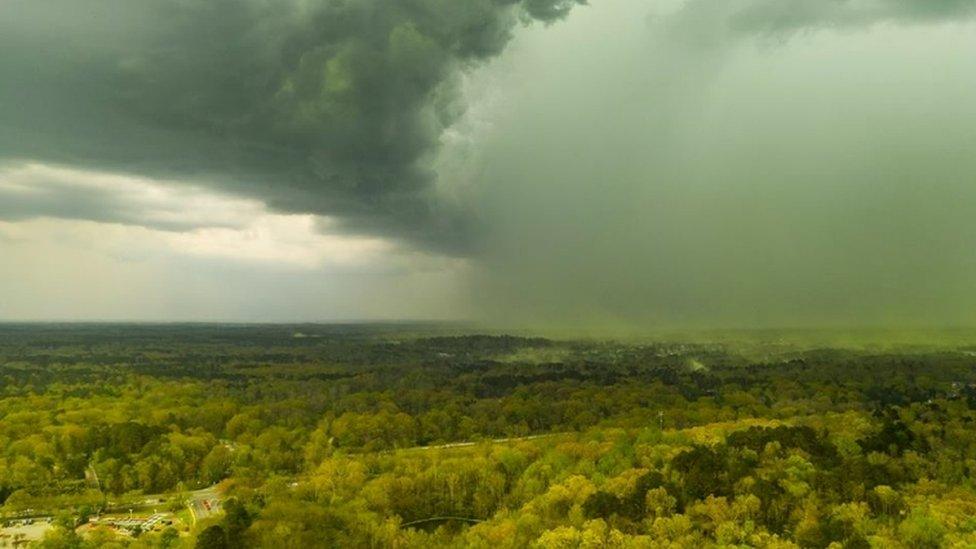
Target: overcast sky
628,162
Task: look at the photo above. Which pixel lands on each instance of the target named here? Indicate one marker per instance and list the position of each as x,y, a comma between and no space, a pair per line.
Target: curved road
204,503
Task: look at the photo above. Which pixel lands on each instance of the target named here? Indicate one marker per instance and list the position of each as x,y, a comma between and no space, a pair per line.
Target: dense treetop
348,436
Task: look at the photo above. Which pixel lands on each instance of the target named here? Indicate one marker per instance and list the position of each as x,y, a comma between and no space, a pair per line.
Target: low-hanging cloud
710,21
774,16
34,191
330,107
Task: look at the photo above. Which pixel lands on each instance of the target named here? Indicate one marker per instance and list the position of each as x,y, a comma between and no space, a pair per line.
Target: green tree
921,530
213,537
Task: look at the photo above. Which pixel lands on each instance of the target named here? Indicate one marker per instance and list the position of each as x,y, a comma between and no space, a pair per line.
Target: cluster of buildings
134,524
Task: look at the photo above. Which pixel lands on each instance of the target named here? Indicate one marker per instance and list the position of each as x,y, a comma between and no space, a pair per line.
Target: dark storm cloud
323,106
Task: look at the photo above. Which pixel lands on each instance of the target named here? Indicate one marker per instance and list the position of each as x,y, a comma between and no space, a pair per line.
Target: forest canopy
424,436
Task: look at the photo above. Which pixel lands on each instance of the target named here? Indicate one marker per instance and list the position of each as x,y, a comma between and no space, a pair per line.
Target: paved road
493,441
204,503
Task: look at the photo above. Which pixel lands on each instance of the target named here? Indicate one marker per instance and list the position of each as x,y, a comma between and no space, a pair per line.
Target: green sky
622,163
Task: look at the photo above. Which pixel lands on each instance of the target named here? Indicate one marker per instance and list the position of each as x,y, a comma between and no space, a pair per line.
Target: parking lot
20,533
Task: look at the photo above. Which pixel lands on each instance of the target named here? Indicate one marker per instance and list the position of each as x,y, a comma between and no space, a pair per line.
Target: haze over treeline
730,163
543,162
